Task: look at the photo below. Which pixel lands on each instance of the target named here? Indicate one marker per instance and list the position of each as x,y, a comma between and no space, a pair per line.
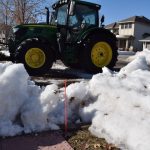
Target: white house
129,31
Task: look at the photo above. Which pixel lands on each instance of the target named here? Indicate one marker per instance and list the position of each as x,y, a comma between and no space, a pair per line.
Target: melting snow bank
23,105
122,108
118,104
145,53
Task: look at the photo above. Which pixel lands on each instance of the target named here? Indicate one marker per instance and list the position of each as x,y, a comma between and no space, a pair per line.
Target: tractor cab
74,18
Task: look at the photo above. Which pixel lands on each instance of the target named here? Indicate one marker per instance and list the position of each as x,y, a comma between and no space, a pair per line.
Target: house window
126,26
130,25
122,26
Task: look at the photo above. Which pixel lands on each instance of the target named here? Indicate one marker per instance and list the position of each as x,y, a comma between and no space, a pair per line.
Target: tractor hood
32,27
29,31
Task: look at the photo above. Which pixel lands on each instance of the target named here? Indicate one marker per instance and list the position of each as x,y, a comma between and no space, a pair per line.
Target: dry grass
83,140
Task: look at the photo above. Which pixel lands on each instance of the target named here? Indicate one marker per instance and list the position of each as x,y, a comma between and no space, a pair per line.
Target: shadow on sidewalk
49,140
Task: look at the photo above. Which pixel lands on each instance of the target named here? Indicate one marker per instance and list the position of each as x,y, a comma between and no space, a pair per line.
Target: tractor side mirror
71,9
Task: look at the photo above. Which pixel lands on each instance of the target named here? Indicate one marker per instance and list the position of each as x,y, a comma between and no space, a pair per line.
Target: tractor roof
62,2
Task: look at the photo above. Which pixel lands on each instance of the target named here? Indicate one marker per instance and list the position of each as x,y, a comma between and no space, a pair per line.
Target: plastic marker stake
65,108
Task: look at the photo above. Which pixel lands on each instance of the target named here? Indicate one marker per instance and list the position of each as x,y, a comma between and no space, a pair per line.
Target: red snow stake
65,108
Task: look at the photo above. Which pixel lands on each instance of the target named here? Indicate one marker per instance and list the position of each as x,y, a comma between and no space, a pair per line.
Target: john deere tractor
74,34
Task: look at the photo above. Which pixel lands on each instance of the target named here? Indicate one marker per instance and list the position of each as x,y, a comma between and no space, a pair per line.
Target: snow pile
58,65
117,104
138,63
122,110
13,91
126,52
23,105
145,53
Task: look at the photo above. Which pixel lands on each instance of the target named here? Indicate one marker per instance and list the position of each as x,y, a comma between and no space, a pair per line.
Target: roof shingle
141,19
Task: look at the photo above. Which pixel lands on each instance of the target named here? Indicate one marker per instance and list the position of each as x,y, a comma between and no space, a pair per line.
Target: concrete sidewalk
43,141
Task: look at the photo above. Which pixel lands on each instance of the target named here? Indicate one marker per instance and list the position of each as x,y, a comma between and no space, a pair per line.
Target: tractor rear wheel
99,51
35,55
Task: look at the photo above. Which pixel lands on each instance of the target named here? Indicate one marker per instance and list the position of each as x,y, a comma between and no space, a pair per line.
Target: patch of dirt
83,140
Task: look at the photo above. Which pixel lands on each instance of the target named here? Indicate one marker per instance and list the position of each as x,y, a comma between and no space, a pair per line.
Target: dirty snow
117,104
59,65
126,52
5,52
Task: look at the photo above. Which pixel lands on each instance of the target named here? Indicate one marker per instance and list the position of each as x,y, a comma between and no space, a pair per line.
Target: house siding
127,31
140,29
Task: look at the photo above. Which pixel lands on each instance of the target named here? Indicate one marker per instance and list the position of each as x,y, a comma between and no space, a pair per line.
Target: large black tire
91,47
35,55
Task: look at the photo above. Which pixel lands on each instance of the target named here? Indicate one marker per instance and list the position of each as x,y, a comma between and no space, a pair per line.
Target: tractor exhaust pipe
47,15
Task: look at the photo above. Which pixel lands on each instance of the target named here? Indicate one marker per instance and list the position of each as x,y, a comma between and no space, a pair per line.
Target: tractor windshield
84,15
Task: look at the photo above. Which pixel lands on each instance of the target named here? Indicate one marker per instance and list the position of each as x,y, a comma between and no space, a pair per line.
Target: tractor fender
95,31
52,45
42,39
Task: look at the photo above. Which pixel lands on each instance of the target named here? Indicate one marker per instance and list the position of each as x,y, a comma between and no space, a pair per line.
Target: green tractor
73,35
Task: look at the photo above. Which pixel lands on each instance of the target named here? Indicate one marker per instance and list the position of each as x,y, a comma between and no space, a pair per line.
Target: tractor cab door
62,16
68,26
72,25
76,25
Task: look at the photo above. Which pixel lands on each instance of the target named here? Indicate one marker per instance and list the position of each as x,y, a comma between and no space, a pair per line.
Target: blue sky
115,10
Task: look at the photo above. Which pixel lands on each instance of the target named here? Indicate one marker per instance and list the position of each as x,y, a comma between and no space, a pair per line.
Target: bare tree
13,12
5,11
21,11
26,10
5,20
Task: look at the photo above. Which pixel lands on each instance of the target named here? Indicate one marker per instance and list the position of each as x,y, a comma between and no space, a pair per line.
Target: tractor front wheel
35,55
